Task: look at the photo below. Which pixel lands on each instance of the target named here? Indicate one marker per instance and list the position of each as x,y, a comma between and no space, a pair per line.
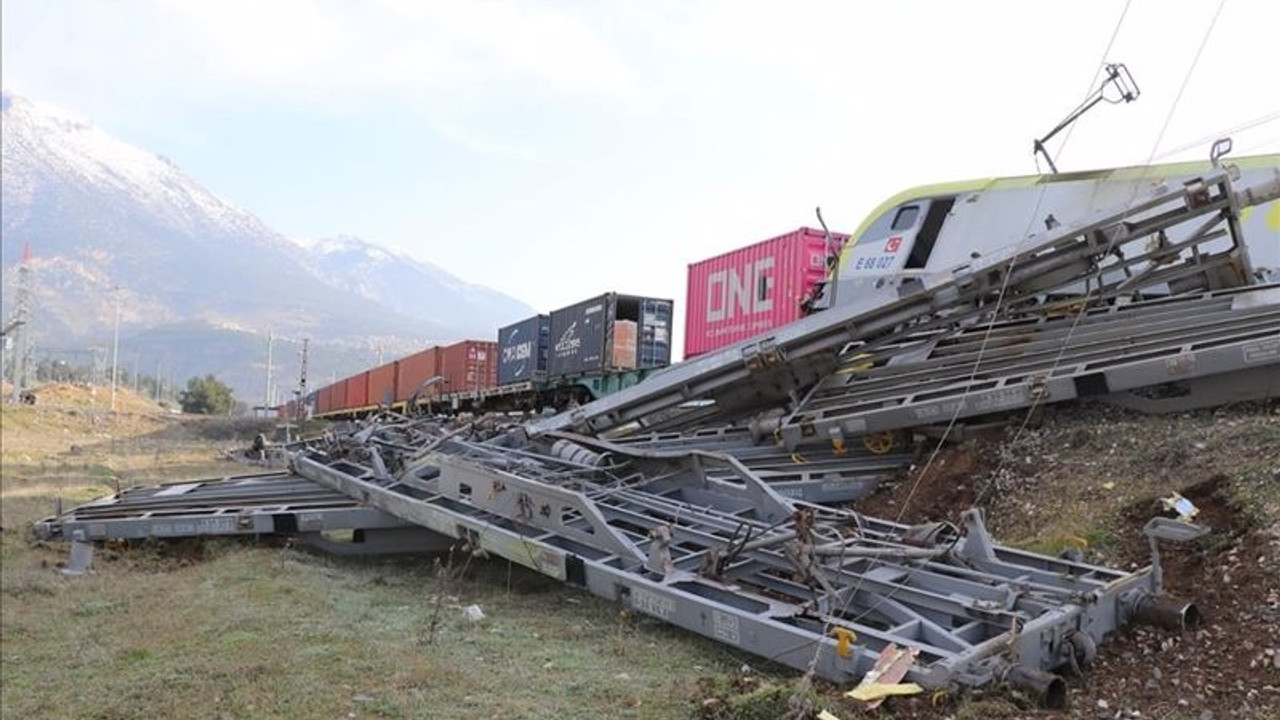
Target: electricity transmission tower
17,326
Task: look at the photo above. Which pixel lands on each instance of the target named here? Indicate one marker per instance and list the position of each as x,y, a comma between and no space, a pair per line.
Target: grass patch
230,629
90,608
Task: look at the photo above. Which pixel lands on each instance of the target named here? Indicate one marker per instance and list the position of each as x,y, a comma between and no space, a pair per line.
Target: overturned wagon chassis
697,540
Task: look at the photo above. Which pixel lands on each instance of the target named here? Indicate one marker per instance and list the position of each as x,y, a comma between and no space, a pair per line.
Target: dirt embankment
72,429
1092,476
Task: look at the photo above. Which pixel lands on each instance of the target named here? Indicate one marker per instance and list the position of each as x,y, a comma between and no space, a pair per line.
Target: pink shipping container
412,371
382,384
469,365
358,390
754,289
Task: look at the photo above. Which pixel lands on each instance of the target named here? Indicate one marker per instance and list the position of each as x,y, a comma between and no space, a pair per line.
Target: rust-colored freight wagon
324,400
357,391
416,369
338,396
382,384
469,366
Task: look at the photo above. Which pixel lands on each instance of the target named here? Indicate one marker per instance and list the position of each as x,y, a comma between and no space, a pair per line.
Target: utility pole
99,366
271,340
18,326
302,386
115,351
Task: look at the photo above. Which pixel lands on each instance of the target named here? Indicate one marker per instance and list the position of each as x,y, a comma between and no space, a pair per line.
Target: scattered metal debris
706,516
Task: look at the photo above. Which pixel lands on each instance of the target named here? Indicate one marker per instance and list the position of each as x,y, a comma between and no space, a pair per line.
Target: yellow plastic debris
1109,485
879,691
826,715
857,363
844,641
891,666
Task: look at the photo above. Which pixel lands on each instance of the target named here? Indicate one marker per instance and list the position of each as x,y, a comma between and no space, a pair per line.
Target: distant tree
206,396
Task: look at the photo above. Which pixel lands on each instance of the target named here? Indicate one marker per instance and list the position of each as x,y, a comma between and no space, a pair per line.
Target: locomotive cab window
929,231
906,218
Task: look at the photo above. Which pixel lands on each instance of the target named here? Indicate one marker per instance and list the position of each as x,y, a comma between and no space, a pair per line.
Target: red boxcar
382,384
754,289
338,396
469,365
412,371
324,400
358,390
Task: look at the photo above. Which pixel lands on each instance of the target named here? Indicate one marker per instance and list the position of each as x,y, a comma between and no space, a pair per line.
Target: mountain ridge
113,225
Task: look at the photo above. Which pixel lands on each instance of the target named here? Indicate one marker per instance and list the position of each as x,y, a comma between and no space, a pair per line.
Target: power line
990,325
1102,64
115,351
1075,324
1186,79
1247,125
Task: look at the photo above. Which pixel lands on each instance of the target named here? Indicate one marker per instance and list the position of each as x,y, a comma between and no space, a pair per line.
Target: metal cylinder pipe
1166,612
576,454
1050,690
863,551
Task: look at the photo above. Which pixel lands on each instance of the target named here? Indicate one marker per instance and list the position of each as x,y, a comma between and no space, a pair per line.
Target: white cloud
675,128
318,47
527,40
289,43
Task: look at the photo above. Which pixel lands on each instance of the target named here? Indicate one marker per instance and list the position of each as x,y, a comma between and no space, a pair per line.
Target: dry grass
234,630
259,632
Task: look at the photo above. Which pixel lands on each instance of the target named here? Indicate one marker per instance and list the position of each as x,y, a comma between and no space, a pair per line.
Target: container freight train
573,355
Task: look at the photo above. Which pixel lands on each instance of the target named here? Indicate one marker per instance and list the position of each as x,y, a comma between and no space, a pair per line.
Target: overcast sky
555,150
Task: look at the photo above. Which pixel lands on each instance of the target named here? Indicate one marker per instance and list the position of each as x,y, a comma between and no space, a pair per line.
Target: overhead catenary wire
1066,340
995,311
1102,65
1224,132
1272,142
986,336
1186,79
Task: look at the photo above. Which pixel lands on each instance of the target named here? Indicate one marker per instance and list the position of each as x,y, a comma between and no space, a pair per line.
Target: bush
206,396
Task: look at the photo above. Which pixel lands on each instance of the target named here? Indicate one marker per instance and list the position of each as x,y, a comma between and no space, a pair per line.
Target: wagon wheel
878,443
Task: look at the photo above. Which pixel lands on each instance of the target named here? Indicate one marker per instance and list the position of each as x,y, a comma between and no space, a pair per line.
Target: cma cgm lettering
516,353
522,350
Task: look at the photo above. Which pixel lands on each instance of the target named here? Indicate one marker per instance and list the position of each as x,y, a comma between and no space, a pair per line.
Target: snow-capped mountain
42,142
110,223
408,285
